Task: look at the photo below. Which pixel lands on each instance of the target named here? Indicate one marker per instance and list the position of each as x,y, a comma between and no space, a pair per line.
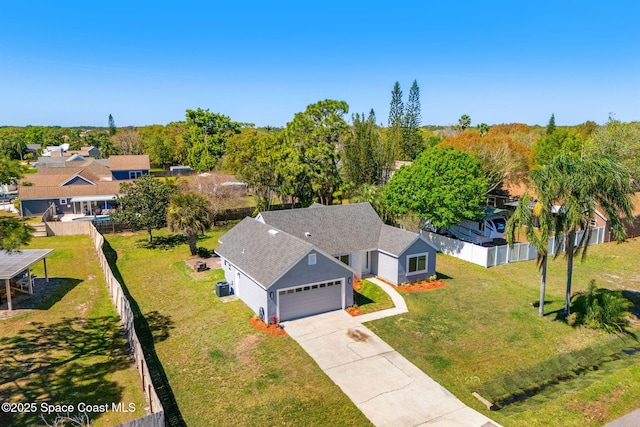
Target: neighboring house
129,167
299,262
75,185
89,151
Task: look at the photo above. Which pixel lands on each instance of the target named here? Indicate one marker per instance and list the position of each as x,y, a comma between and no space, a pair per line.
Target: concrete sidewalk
385,386
399,305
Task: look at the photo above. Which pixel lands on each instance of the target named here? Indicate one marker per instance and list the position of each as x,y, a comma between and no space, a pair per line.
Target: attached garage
310,299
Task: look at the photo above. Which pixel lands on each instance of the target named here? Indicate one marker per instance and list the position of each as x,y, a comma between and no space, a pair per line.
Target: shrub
203,252
600,308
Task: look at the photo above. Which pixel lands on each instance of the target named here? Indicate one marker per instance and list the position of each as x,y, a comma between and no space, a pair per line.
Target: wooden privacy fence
121,303
503,254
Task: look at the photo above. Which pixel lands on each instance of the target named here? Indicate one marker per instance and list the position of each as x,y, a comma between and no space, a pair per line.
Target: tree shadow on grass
163,242
360,299
144,331
67,362
159,325
45,294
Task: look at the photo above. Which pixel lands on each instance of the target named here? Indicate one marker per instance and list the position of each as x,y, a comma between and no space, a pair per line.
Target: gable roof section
132,162
337,229
394,240
264,256
45,192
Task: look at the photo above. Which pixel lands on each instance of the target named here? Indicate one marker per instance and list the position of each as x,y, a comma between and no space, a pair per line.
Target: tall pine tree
112,126
551,126
395,133
412,143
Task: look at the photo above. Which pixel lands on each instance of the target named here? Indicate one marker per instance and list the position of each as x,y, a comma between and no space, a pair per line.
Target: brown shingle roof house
78,185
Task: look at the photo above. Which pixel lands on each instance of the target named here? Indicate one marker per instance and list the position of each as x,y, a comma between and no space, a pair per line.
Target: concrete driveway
385,386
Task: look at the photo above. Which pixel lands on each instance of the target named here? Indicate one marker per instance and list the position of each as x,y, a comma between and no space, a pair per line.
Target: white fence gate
497,255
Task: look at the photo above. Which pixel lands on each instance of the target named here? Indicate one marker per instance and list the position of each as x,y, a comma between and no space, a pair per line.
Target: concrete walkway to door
385,386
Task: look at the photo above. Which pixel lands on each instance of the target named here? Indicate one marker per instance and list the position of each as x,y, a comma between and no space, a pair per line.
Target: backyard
220,368
480,333
71,347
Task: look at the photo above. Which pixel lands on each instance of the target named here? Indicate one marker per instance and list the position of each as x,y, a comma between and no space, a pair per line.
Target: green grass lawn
481,333
222,371
71,348
371,298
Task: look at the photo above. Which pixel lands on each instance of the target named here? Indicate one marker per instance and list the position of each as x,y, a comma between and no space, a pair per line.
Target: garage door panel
308,300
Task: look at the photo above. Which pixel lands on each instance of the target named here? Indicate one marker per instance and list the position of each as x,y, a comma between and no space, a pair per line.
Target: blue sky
73,63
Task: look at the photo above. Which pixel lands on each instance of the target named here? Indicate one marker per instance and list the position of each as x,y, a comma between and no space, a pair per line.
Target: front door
366,262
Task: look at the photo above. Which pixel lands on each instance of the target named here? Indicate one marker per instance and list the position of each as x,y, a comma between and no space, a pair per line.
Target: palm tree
580,186
525,217
189,213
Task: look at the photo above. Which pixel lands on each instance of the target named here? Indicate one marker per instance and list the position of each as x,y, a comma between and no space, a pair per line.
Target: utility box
222,289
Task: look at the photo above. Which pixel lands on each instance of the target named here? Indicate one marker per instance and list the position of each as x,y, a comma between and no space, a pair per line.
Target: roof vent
273,232
307,234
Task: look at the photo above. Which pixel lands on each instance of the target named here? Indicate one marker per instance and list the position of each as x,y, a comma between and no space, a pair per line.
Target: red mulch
420,286
270,329
354,311
357,284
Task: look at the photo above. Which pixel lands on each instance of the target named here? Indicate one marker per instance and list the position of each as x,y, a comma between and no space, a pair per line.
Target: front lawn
369,298
71,348
222,370
481,333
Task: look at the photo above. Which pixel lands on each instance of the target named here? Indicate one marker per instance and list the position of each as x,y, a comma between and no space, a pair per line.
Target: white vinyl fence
497,255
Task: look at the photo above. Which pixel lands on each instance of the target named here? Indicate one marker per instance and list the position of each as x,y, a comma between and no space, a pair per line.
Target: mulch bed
354,311
425,285
268,328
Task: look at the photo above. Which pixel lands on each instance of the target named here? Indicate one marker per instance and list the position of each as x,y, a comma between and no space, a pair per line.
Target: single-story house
77,185
129,167
299,262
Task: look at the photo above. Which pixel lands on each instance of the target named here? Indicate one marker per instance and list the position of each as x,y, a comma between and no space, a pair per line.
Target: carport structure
13,263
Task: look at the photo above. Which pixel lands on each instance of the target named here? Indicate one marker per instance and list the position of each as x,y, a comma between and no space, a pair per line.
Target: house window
593,223
417,263
491,201
63,201
312,259
344,259
135,174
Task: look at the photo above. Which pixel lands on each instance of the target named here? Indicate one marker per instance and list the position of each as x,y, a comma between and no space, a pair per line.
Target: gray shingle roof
260,254
337,229
394,240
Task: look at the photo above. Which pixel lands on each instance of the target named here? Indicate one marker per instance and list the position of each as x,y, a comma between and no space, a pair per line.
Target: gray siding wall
324,270
387,267
252,294
418,246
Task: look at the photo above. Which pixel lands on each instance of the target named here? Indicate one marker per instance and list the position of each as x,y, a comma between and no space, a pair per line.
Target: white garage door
309,299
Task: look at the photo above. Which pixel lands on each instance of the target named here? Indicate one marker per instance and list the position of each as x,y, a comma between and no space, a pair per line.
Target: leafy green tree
255,158
144,204
412,142
551,126
159,145
617,140
443,186
100,139
189,214
314,136
366,157
12,142
559,141
579,186
13,232
112,126
464,122
205,136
